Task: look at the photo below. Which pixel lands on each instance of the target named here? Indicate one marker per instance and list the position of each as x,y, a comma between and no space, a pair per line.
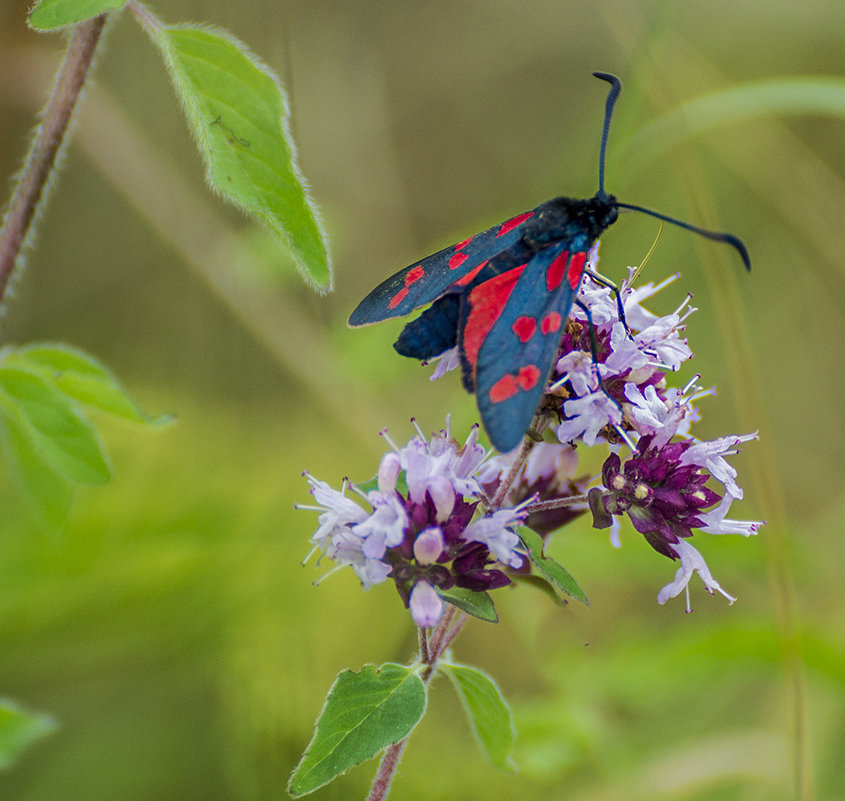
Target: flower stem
557,503
528,442
41,160
431,649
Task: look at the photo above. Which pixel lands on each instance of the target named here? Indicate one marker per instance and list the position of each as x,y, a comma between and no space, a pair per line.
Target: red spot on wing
503,389
576,267
513,223
528,376
398,298
457,260
463,244
471,274
550,323
554,275
509,384
414,274
487,301
524,327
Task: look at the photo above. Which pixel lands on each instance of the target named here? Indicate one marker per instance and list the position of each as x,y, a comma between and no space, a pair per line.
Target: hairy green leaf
489,714
238,114
65,438
364,713
50,14
550,570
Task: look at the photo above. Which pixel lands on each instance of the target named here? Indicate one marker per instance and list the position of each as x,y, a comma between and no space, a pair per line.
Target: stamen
386,437
419,430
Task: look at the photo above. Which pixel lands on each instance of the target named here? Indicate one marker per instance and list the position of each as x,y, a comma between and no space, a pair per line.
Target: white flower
691,562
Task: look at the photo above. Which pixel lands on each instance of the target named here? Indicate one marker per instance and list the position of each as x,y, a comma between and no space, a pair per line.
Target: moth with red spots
503,297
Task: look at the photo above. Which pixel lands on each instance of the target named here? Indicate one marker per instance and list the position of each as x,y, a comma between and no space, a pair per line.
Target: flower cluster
425,529
668,486
444,516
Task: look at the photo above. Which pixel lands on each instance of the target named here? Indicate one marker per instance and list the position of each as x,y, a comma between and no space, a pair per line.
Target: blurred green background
170,629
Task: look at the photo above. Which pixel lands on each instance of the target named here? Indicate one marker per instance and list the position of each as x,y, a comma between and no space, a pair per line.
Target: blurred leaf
80,377
550,570
364,713
50,14
44,487
66,440
17,730
237,112
477,604
489,714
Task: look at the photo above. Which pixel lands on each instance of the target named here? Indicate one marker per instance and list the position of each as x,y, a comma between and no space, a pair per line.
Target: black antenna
615,89
716,236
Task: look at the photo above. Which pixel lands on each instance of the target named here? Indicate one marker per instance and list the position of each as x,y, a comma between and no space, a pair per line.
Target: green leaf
50,14
364,713
48,492
18,729
477,604
66,440
539,583
489,714
238,114
550,570
80,377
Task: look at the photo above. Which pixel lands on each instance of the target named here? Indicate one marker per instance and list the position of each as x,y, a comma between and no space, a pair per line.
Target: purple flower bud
425,604
428,546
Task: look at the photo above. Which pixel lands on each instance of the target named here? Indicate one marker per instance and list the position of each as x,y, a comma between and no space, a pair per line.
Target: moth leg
594,352
606,282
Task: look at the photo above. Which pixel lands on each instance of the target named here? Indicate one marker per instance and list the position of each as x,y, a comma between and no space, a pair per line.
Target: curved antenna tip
609,77
717,236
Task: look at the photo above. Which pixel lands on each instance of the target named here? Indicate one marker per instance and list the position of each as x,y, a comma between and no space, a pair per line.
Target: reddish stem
41,161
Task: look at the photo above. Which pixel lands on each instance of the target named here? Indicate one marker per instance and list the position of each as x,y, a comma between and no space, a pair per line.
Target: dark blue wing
513,358
428,279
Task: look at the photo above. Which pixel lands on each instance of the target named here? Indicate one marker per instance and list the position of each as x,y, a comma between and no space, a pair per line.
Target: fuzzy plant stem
451,622
41,161
431,649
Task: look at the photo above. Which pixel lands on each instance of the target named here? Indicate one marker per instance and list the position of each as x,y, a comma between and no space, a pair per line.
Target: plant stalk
41,161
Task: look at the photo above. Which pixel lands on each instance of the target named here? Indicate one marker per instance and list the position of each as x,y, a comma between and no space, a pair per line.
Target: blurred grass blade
48,492
17,730
65,438
237,112
489,714
364,713
50,14
819,95
80,377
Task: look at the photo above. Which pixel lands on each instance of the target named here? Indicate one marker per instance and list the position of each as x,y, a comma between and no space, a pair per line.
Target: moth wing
428,279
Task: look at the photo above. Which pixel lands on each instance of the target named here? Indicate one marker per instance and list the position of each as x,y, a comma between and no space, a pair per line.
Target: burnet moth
504,295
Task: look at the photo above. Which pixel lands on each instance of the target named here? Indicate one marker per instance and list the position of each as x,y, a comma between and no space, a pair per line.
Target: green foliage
17,730
237,112
364,713
477,604
489,714
45,434
51,14
551,571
